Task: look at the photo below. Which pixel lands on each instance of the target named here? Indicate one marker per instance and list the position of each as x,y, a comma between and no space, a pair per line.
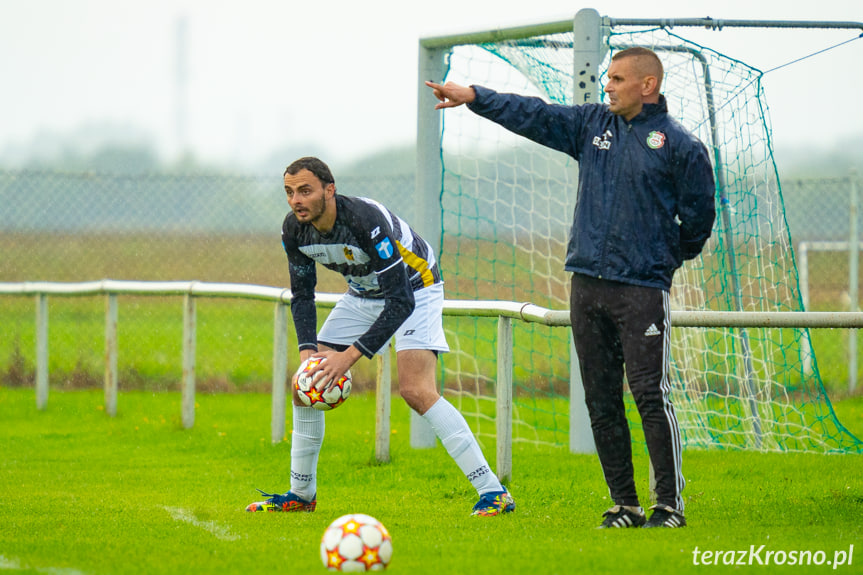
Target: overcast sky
341,75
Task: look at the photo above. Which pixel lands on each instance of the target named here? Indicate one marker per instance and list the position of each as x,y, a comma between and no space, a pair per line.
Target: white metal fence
505,311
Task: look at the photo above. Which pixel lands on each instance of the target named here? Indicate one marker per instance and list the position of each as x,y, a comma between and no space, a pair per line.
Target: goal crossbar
528,31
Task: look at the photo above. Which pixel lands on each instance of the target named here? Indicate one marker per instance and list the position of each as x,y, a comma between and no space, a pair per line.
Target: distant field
235,258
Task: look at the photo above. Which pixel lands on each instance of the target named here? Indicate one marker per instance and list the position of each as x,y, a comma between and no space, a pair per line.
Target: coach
645,204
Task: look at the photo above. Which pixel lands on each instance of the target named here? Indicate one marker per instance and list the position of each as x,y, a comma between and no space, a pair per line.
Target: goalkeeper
645,204
394,289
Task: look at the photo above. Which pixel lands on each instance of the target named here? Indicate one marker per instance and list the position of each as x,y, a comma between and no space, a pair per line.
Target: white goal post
460,170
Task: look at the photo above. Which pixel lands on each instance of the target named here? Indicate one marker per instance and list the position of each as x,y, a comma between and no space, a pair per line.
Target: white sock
453,431
306,441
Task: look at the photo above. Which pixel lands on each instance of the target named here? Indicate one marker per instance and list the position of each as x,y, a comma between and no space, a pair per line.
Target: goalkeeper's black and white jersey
378,254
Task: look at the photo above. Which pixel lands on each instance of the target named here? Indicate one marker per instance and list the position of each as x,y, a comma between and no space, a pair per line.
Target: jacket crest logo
349,254
655,140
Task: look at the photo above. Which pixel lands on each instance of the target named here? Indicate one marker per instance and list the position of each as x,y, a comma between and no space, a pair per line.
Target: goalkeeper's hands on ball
336,364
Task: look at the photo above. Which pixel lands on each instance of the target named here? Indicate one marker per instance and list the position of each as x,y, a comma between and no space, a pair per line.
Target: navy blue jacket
645,187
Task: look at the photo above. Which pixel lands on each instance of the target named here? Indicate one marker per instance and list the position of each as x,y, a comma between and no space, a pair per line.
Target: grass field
87,494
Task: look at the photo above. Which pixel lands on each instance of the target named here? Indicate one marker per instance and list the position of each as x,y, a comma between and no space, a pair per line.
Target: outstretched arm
451,94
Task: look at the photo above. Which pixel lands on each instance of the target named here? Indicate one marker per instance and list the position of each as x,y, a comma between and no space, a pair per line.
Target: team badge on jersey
655,140
385,248
349,254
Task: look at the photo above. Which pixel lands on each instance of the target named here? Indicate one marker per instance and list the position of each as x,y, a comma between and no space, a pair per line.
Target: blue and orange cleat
494,503
286,502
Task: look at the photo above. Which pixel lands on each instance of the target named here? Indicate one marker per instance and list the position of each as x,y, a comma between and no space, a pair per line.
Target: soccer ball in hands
356,543
322,400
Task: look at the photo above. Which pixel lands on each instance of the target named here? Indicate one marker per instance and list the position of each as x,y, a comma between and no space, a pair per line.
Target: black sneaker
622,517
665,516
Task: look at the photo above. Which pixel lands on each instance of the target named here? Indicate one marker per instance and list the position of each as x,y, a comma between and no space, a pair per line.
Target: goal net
506,211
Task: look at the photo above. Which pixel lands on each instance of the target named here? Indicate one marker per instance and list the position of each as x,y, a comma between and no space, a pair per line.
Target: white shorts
423,329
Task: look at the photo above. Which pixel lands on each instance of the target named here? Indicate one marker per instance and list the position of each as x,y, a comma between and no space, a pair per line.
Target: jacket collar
651,110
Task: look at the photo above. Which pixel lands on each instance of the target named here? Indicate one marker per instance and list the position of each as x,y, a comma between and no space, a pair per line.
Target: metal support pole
111,376
280,372
41,351
503,404
587,56
383,400
803,267
580,432
728,235
428,186
188,383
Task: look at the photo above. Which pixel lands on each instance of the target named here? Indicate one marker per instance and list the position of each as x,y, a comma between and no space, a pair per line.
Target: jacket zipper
609,219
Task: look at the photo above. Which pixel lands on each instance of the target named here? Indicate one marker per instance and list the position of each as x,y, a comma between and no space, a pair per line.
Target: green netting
506,210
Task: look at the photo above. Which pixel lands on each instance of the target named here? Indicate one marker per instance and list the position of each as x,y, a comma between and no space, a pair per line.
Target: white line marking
6,563
186,516
16,565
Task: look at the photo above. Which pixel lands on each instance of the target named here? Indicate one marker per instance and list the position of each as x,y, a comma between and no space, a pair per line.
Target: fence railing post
803,280
41,351
188,384
111,377
383,401
280,372
503,403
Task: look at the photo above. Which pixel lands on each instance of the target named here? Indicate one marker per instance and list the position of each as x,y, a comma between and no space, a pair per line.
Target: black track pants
616,325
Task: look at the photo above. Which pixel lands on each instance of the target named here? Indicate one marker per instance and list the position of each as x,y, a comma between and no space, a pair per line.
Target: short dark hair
650,64
315,166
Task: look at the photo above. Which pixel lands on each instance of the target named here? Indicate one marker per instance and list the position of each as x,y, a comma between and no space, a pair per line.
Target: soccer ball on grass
321,400
356,542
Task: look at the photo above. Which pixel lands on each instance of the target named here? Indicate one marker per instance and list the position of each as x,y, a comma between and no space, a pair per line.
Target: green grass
86,493
849,411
